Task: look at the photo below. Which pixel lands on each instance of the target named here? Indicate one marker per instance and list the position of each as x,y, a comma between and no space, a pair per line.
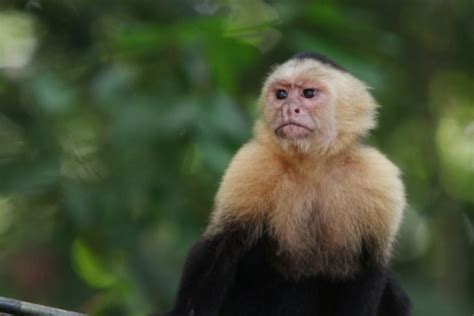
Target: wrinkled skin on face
311,106
294,105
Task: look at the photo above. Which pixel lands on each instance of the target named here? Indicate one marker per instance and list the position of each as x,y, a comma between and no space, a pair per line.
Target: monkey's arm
361,295
372,291
212,263
395,302
208,273
376,192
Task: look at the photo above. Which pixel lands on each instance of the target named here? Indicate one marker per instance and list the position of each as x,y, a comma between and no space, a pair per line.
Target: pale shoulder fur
320,212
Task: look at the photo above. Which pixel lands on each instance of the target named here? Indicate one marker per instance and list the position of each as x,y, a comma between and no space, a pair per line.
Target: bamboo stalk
16,307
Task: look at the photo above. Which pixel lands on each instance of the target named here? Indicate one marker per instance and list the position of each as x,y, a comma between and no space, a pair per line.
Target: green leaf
89,266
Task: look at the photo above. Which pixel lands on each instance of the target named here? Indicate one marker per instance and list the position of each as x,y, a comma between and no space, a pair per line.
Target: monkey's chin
293,131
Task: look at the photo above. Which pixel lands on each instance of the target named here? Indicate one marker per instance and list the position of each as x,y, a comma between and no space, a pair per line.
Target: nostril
297,111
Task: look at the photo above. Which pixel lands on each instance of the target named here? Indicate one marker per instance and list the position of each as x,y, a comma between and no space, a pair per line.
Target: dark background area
118,118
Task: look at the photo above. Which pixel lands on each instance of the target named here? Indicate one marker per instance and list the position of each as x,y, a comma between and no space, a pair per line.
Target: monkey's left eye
281,94
309,93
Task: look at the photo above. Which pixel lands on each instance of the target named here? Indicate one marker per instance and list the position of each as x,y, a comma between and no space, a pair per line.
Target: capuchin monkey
306,215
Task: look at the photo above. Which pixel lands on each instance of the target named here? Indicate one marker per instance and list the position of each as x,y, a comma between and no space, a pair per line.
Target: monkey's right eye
281,94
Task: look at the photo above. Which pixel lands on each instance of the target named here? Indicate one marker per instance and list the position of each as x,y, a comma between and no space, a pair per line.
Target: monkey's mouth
293,130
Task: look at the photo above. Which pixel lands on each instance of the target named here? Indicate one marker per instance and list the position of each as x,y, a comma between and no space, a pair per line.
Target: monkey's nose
297,110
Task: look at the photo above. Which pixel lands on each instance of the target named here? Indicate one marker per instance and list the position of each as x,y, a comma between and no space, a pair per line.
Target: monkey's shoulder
368,190
249,180
366,167
366,178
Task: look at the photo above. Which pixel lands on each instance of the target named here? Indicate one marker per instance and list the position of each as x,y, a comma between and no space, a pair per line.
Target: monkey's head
309,103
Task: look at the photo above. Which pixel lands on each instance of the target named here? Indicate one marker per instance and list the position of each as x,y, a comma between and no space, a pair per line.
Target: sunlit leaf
17,39
89,266
453,98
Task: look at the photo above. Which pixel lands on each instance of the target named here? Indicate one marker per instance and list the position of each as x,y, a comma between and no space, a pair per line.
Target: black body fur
226,277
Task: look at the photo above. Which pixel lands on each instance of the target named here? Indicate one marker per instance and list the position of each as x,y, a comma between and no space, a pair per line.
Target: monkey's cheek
293,131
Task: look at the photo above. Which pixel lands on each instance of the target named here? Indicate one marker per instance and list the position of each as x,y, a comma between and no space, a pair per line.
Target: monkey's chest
305,239
262,288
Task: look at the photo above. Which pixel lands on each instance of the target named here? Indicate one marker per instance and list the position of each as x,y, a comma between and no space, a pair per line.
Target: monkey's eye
309,93
281,94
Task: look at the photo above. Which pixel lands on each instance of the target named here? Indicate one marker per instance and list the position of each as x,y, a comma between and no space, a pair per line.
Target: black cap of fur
319,57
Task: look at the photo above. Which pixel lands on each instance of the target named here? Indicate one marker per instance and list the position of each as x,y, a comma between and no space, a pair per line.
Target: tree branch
16,307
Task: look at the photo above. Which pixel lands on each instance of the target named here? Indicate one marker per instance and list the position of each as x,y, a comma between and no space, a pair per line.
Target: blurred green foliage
118,118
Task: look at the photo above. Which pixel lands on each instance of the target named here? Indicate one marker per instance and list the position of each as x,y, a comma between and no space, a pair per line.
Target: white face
313,105
295,105
298,103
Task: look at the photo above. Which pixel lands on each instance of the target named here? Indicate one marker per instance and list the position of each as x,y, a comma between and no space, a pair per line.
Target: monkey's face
313,105
297,104
294,105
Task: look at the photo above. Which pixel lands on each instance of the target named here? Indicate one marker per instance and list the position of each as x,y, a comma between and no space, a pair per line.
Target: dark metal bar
16,307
